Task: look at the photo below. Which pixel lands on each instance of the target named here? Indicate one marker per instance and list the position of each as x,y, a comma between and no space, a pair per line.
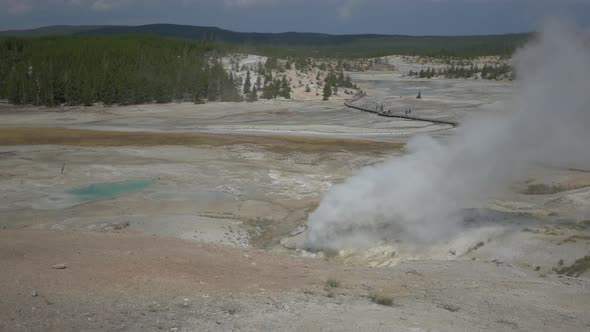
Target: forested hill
54,30
75,70
294,43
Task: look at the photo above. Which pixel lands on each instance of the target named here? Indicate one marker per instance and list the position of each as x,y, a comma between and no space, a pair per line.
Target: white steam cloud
419,197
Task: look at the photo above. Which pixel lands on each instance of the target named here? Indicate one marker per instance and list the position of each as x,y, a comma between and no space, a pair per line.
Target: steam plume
419,196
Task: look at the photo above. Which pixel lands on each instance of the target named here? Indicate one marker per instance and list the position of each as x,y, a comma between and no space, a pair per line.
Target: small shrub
332,283
231,308
575,270
382,299
512,324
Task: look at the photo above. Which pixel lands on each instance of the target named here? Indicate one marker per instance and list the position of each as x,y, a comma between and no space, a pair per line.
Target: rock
449,307
34,293
295,242
174,329
300,229
121,225
59,266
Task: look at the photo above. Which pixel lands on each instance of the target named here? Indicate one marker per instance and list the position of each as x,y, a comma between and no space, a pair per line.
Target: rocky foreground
72,281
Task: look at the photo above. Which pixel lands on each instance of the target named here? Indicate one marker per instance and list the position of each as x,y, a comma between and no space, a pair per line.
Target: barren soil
134,282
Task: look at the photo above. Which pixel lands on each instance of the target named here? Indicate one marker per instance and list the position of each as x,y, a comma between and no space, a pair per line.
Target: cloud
101,5
329,16
346,9
16,7
247,3
106,4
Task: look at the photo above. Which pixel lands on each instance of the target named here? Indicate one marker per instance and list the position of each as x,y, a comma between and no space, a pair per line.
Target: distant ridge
354,45
53,30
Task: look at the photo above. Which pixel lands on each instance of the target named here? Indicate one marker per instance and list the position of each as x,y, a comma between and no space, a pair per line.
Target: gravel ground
131,282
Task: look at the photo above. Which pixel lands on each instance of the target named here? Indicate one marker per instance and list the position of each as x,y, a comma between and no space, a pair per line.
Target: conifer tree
247,84
253,96
285,90
272,89
327,91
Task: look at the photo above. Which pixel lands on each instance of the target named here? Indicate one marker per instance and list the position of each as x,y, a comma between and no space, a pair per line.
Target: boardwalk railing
390,114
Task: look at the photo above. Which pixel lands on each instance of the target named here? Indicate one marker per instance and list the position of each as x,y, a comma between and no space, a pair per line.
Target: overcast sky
413,17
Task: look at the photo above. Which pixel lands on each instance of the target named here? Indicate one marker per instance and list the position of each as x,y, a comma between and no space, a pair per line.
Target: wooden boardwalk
390,114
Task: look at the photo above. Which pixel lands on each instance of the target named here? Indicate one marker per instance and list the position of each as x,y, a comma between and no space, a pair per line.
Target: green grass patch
575,270
575,238
543,189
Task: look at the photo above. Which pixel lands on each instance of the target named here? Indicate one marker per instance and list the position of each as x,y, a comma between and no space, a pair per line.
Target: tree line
82,70
488,72
334,81
378,46
312,44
